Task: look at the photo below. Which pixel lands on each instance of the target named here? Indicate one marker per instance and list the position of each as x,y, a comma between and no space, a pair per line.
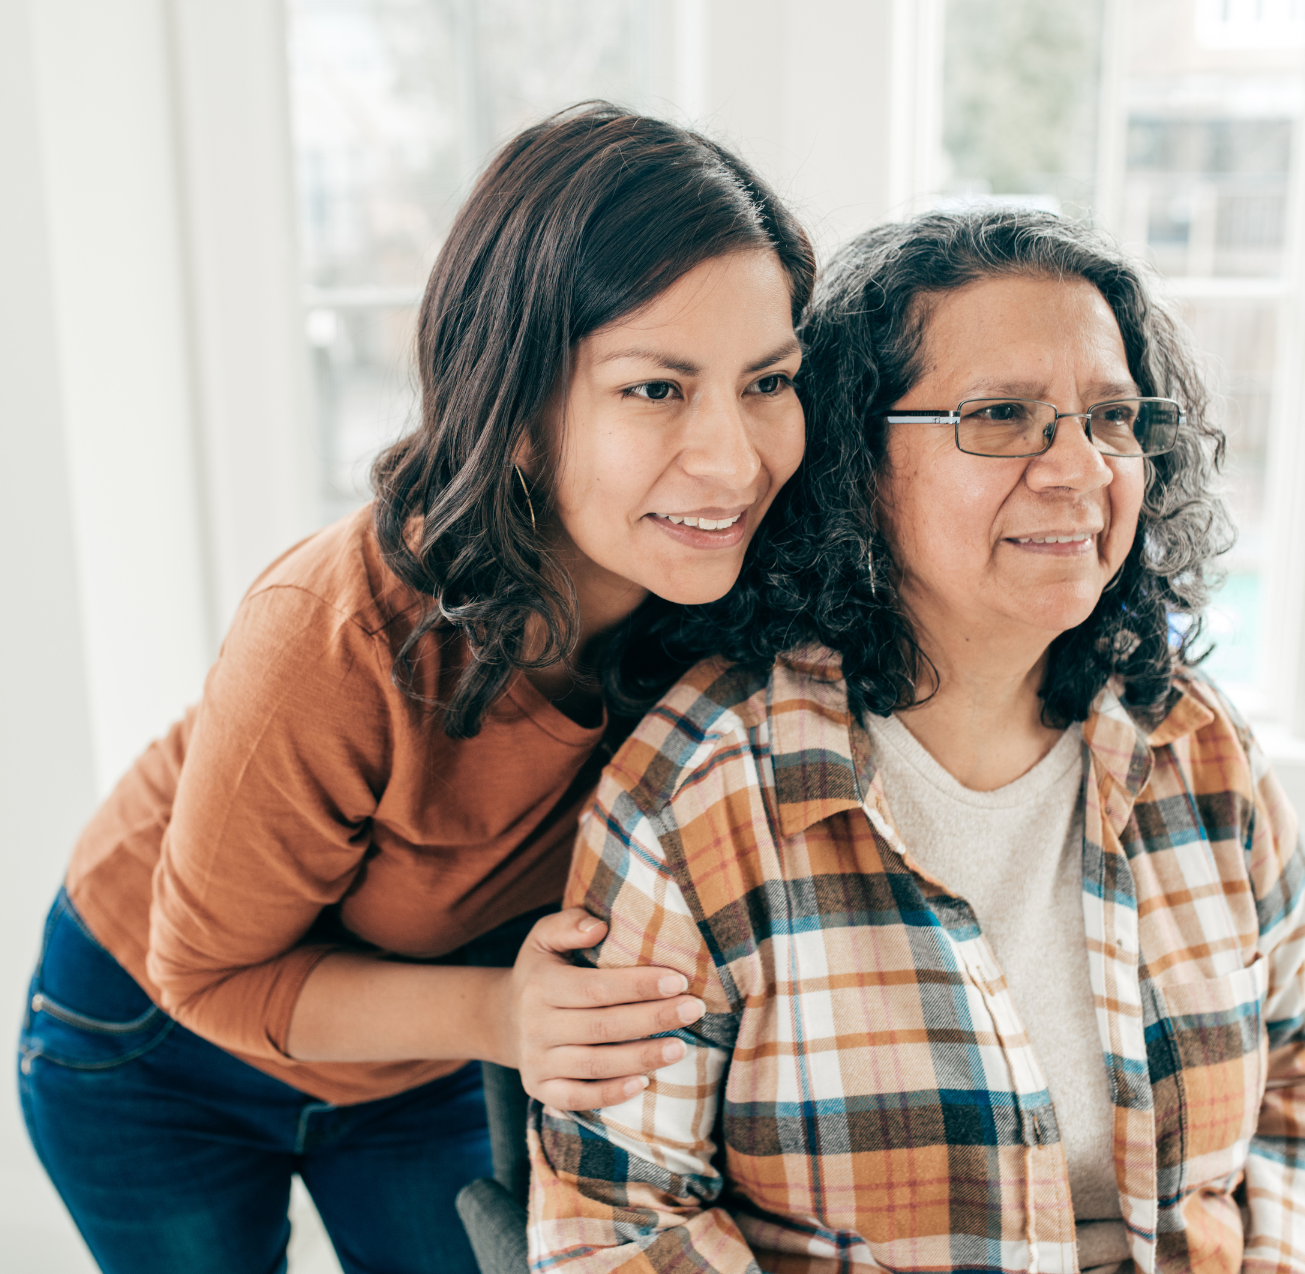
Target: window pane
1243,338
395,104
1213,94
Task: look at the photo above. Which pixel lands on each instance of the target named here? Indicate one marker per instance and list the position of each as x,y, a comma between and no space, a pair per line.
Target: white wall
835,102
104,123
152,407
47,782
260,462
173,280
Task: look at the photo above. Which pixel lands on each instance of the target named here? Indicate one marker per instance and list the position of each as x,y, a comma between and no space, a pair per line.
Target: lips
702,522
1067,537
705,529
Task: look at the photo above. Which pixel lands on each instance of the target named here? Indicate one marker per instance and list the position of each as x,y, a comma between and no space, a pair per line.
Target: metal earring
1115,580
521,478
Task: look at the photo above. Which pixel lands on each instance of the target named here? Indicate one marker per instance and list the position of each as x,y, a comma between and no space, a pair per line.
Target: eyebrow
789,348
1034,390
686,368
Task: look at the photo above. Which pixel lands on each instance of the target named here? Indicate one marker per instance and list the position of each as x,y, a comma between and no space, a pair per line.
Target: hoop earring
1114,580
520,478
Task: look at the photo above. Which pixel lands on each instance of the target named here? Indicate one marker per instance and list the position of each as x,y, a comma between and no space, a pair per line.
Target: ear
523,456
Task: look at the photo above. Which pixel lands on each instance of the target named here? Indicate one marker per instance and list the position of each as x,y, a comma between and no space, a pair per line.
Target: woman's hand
578,1036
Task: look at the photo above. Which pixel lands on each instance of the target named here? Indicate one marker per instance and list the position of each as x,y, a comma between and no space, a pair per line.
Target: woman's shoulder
1199,712
1222,765
716,724
342,569
330,614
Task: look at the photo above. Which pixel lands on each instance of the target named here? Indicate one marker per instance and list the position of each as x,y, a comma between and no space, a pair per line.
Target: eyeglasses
1014,427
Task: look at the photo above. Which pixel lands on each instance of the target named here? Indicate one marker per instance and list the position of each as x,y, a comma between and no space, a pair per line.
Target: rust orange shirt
305,788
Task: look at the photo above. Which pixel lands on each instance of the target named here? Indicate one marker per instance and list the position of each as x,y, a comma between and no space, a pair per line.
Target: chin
690,592
1063,610
1059,608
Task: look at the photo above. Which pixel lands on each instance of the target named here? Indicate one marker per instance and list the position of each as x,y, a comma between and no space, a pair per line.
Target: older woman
996,910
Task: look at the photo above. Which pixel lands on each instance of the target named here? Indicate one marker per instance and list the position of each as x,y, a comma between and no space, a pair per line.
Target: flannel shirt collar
818,772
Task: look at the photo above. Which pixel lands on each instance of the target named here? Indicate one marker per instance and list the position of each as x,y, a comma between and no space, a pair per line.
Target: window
395,105
1212,98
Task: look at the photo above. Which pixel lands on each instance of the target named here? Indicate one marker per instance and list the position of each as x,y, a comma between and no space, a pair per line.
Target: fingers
570,1094
615,1062
569,930
587,1078
623,1022
582,1034
572,988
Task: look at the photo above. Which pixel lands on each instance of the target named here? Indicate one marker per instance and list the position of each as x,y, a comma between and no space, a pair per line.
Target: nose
1071,461
719,445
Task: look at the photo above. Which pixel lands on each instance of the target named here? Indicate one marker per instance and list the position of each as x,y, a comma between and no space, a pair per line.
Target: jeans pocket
85,1011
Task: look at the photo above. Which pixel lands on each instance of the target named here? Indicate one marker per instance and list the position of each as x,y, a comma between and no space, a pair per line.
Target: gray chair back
494,1211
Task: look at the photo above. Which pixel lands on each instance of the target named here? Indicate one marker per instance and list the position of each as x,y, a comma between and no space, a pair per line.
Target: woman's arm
1274,1186
289,756
553,1022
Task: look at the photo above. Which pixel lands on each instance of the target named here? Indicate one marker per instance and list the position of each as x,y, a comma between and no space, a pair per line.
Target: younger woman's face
676,432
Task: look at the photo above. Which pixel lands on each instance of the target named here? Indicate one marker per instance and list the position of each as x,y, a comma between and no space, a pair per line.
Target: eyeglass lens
1021,427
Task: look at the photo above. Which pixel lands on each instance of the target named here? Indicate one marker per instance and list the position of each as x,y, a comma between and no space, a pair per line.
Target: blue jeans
173,1155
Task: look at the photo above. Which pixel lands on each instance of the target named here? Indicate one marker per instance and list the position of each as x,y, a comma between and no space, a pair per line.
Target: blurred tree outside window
1020,84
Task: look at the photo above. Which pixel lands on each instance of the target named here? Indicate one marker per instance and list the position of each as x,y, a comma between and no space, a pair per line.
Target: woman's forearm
579,1037
358,1008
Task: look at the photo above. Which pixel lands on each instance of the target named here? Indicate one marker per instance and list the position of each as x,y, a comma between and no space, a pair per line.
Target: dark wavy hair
824,569
576,222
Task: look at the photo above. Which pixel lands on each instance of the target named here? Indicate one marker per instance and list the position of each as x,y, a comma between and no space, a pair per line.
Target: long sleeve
1275,1168
285,766
633,1186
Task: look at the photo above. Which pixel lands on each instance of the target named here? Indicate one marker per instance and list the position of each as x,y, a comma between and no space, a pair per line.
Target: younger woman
279,939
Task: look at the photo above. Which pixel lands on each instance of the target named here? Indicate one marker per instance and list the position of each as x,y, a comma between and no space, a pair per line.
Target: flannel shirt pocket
1206,1117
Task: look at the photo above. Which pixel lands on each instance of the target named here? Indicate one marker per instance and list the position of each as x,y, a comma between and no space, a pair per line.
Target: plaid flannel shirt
861,1091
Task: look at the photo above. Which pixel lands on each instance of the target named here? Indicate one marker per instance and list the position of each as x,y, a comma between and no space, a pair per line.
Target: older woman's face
969,532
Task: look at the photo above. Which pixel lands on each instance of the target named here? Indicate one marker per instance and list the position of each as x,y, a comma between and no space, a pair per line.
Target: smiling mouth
703,524
1077,538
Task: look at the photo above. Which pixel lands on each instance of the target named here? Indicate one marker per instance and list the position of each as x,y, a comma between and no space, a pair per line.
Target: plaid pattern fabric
861,1090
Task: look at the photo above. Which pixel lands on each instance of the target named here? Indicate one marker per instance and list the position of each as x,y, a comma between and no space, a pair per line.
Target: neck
605,601
983,724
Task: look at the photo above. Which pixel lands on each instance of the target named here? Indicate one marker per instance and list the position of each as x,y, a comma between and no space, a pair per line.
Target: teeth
703,524
1052,539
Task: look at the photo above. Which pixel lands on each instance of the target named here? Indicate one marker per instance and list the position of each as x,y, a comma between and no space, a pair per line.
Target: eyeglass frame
954,418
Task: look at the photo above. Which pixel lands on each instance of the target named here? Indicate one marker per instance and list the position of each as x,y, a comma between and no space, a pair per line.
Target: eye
769,386
655,391
1114,413
999,413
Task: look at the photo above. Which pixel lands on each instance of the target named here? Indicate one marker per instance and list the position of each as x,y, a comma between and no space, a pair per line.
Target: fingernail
673,1051
636,1085
692,1010
673,984
589,924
